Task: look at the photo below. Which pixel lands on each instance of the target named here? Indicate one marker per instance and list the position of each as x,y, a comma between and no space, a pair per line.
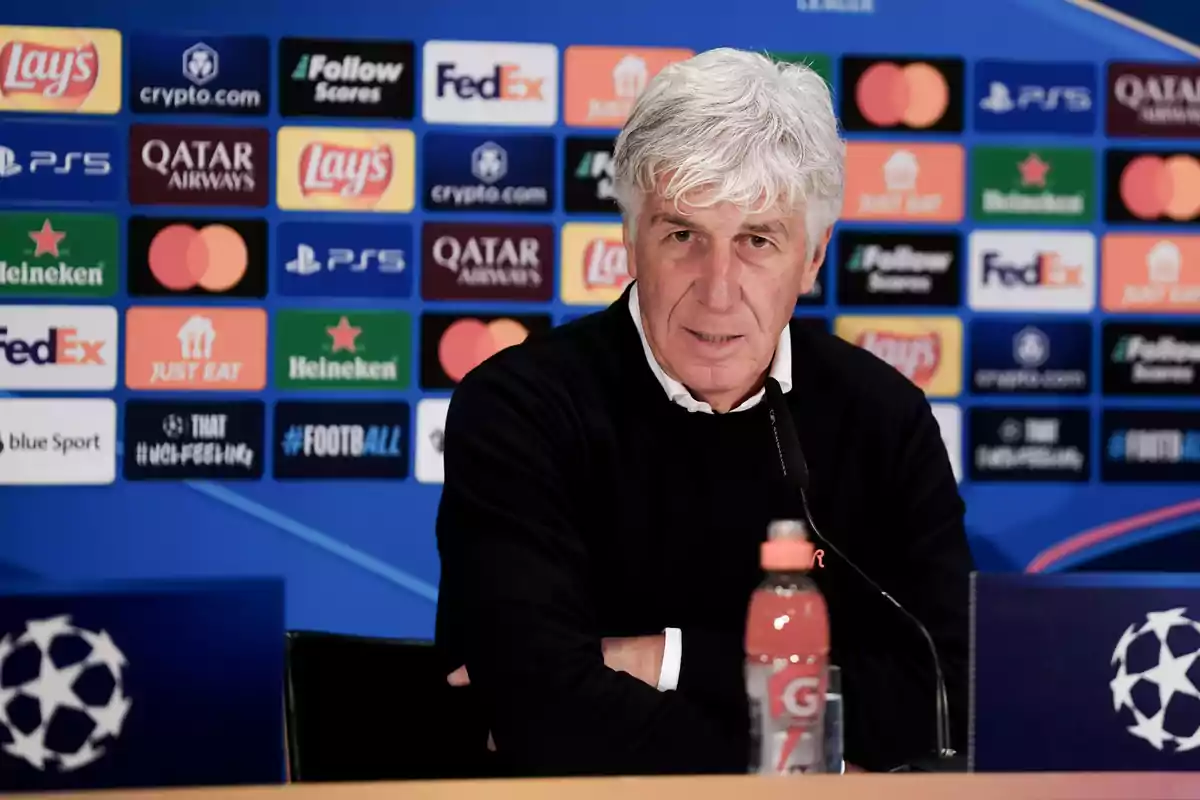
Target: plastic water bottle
787,656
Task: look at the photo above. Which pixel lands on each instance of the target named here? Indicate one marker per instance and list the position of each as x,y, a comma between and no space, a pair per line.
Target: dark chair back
364,709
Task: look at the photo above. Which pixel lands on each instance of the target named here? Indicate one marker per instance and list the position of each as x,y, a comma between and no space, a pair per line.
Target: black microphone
795,469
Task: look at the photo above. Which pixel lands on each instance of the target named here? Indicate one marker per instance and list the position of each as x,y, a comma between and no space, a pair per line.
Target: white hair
739,128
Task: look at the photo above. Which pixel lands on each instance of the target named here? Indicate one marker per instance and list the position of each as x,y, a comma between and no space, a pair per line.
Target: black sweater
580,502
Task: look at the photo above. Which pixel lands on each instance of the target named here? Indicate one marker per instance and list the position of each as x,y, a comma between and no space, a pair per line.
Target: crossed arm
516,595
517,599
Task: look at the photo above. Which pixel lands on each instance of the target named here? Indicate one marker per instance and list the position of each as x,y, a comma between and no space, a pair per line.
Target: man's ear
814,264
818,257
627,238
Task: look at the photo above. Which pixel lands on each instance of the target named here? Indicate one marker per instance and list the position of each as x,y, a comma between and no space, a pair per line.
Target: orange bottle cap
787,548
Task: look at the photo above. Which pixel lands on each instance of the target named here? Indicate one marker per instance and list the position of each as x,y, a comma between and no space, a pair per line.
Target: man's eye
759,242
683,237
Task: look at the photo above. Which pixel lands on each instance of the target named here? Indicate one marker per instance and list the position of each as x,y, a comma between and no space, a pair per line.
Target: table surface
1079,786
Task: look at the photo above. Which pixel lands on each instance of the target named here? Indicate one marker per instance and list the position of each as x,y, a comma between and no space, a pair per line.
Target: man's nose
717,285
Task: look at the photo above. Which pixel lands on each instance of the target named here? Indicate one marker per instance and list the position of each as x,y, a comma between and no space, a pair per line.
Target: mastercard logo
468,342
213,257
888,94
1152,187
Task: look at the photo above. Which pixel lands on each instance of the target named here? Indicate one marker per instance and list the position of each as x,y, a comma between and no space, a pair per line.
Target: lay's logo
60,70
915,357
594,269
926,350
345,169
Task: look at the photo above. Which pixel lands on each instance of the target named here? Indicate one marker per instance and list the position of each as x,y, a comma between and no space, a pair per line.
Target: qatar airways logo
198,165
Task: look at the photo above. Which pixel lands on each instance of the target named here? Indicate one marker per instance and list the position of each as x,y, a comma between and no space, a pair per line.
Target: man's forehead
700,210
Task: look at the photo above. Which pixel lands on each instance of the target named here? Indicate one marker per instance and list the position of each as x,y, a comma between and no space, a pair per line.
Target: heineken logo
1045,185
58,255
343,350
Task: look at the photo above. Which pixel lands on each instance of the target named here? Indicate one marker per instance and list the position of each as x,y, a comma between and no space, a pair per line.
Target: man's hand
640,656
459,677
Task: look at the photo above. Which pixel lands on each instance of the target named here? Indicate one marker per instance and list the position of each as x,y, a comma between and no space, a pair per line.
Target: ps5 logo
389,262
1071,99
94,164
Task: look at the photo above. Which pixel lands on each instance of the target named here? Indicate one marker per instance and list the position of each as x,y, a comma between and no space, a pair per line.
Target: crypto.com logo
201,64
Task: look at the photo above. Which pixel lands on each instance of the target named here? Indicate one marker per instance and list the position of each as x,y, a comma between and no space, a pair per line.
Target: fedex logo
53,347
58,346
1032,271
506,82
489,83
1045,269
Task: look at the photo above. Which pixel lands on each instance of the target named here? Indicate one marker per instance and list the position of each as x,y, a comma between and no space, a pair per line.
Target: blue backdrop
360,556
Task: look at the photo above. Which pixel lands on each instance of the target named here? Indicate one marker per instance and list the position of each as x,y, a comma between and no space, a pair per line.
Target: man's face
716,288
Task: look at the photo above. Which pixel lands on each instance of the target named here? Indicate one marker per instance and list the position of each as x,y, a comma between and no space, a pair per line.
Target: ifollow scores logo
341,440
336,78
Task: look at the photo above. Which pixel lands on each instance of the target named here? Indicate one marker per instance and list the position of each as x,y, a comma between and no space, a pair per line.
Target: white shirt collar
781,367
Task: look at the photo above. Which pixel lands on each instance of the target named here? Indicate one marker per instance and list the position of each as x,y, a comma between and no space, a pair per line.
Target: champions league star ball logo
1158,680
62,694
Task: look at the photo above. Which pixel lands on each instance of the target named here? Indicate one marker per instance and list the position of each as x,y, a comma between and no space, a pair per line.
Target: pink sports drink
787,654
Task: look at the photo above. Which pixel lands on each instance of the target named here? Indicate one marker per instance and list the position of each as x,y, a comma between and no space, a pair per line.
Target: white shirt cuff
668,678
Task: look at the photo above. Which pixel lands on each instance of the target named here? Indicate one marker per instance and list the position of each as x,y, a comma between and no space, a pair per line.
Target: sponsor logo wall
1060,269
238,354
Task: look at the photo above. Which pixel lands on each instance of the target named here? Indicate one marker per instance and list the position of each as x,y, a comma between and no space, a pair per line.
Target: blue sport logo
465,172
1018,97
199,75
344,259
43,162
1045,357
